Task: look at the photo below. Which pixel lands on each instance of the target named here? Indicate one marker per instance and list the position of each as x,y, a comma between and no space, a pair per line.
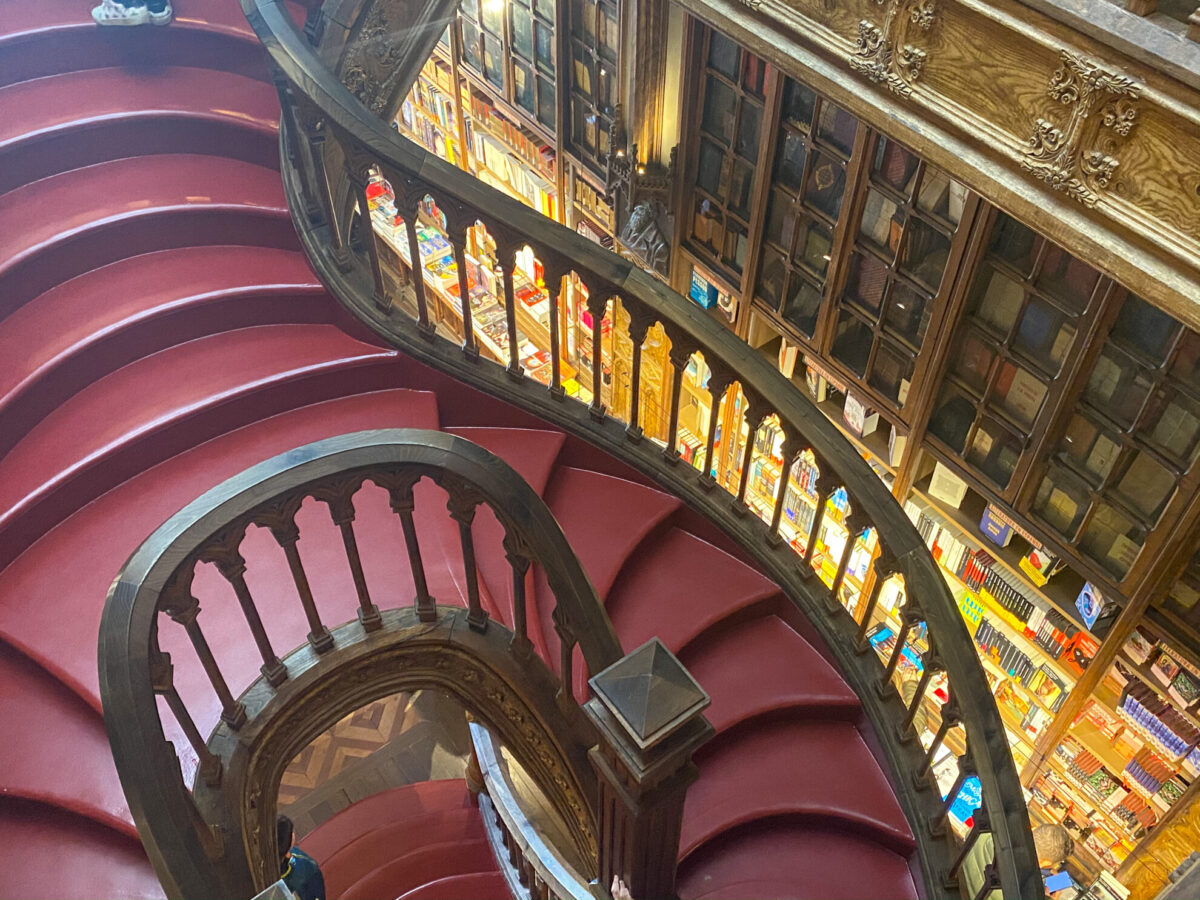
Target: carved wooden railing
217,838
323,121
535,866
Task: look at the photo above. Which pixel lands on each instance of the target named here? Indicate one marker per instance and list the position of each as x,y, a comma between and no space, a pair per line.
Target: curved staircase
160,331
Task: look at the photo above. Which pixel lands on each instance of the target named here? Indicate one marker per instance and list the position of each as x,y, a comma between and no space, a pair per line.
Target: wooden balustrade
744,390
158,583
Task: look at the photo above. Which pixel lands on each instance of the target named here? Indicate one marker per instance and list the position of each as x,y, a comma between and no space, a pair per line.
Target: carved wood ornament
881,52
1101,113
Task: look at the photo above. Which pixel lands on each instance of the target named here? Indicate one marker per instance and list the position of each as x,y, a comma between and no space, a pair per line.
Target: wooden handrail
213,840
330,118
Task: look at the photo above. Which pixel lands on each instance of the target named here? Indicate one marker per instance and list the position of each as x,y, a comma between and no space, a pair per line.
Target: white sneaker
109,12
161,18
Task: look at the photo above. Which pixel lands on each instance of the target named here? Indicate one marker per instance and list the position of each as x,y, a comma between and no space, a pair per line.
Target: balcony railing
216,838
328,137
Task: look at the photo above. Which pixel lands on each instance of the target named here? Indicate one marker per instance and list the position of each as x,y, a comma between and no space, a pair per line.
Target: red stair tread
475,886
760,666
605,519
678,587
59,628
421,865
52,207
794,862
819,770
349,863
162,391
63,225
47,852
76,98
96,305
74,768
395,805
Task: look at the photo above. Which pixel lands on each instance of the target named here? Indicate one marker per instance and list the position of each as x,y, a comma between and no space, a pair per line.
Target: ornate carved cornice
1107,165
1075,157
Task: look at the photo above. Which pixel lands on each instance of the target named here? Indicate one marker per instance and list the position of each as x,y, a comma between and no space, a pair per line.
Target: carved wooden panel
1091,146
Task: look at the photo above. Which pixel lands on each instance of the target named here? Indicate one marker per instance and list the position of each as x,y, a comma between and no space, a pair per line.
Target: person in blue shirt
299,871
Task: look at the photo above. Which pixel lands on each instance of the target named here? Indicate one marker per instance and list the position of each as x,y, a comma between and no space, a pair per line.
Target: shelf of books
498,150
439,271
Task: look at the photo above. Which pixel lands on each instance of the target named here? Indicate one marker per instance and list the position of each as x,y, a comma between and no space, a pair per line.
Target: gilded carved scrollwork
1077,157
881,51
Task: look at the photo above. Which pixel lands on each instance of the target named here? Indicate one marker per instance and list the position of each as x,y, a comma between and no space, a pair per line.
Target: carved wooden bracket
881,52
1077,158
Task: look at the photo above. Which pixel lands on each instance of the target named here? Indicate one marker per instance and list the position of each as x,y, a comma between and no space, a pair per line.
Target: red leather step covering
476,886
421,865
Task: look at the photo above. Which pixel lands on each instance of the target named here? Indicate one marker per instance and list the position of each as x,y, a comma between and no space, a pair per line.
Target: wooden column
648,734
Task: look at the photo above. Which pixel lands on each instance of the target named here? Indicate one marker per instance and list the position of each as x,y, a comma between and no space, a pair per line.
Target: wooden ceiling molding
1096,147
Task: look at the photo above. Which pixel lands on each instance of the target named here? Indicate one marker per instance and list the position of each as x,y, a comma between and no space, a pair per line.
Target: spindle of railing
597,309
518,561
884,567
358,184
755,414
911,615
280,519
315,134
718,389
223,553
162,677
982,825
409,212
338,495
402,502
827,483
554,278
507,270
678,357
462,504
184,609
966,768
856,524
950,718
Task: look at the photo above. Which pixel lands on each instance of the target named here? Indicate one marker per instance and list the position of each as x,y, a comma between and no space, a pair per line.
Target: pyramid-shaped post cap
649,692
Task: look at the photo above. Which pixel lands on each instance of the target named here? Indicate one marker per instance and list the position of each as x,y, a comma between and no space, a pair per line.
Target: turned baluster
458,240
679,360
983,825
950,717
297,149
339,497
519,561
717,386
400,497
597,309
358,180
418,270
910,615
932,665
510,320
827,483
281,521
315,133
755,416
554,291
639,325
229,562
462,504
856,528
966,768
162,677
566,656
885,567
184,609
791,449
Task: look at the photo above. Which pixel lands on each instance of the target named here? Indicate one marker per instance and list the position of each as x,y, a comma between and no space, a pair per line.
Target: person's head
284,833
1053,844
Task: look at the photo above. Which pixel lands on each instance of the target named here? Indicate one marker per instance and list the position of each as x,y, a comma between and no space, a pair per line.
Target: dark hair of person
284,832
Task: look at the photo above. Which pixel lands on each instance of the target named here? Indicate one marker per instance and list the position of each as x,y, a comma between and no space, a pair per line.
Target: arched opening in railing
831,517
206,812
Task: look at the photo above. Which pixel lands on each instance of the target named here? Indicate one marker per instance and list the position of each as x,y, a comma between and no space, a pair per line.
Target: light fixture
641,170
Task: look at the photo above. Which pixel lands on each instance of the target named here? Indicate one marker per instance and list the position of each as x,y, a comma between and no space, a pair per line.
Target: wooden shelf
1060,592
1143,673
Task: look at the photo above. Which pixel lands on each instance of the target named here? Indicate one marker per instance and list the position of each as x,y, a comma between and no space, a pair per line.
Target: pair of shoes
111,12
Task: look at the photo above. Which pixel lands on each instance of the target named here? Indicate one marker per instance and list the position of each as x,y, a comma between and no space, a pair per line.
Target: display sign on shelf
1090,603
1039,565
860,419
995,527
947,487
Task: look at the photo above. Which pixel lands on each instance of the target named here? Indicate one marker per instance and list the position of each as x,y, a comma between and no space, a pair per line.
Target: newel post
647,709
